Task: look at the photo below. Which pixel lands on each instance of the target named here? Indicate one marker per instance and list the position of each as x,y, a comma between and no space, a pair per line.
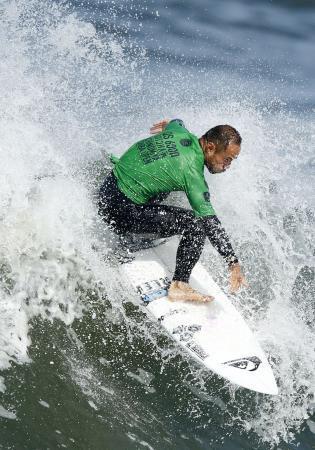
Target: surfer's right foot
180,291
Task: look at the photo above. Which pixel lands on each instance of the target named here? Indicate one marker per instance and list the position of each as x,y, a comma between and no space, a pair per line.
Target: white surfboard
215,334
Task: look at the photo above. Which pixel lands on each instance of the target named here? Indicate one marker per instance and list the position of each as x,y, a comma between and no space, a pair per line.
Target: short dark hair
223,134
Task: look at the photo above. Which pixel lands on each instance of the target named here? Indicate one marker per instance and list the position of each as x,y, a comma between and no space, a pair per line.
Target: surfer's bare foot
181,291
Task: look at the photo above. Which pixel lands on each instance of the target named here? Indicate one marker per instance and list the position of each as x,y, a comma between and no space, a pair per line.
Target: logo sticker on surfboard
153,289
251,363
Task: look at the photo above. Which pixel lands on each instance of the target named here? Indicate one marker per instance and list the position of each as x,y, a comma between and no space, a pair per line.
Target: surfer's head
220,145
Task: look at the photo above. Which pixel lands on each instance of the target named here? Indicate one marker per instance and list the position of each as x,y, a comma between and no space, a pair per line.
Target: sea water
81,366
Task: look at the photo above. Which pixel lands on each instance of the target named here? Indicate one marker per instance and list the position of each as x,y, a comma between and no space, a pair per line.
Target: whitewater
80,365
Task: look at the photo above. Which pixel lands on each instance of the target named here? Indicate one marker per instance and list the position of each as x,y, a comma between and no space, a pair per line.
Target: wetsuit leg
162,220
168,221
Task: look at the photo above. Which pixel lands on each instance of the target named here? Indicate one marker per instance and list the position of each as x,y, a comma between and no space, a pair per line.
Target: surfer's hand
237,279
159,126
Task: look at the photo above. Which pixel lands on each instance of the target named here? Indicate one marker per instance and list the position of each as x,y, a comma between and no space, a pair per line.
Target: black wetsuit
123,215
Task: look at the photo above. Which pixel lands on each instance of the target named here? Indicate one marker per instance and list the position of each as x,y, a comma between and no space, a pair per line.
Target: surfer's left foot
181,291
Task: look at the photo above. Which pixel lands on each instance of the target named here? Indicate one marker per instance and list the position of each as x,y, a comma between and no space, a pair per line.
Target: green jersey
169,161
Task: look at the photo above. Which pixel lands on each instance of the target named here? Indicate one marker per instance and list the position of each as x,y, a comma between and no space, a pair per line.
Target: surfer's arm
219,239
166,124
197,192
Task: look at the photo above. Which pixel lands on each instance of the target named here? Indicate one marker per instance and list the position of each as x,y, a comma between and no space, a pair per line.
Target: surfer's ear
210,148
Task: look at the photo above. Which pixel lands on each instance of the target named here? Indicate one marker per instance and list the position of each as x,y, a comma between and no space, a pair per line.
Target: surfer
173,159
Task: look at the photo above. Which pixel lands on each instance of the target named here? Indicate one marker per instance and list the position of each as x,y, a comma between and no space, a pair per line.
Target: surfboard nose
260,379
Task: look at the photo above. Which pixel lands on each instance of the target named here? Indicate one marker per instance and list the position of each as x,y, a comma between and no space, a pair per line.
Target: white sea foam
143,377
47,212
2,386
65,102
43,403
258,200
7,414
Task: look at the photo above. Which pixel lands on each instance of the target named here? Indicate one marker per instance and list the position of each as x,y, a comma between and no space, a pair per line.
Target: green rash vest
169,161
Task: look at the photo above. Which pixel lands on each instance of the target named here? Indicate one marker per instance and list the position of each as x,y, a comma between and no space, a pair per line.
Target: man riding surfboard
173,159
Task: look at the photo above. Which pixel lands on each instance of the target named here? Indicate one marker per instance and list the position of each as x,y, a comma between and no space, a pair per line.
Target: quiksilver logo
251,363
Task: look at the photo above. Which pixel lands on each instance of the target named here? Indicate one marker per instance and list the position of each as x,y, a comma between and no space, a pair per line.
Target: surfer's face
218,159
